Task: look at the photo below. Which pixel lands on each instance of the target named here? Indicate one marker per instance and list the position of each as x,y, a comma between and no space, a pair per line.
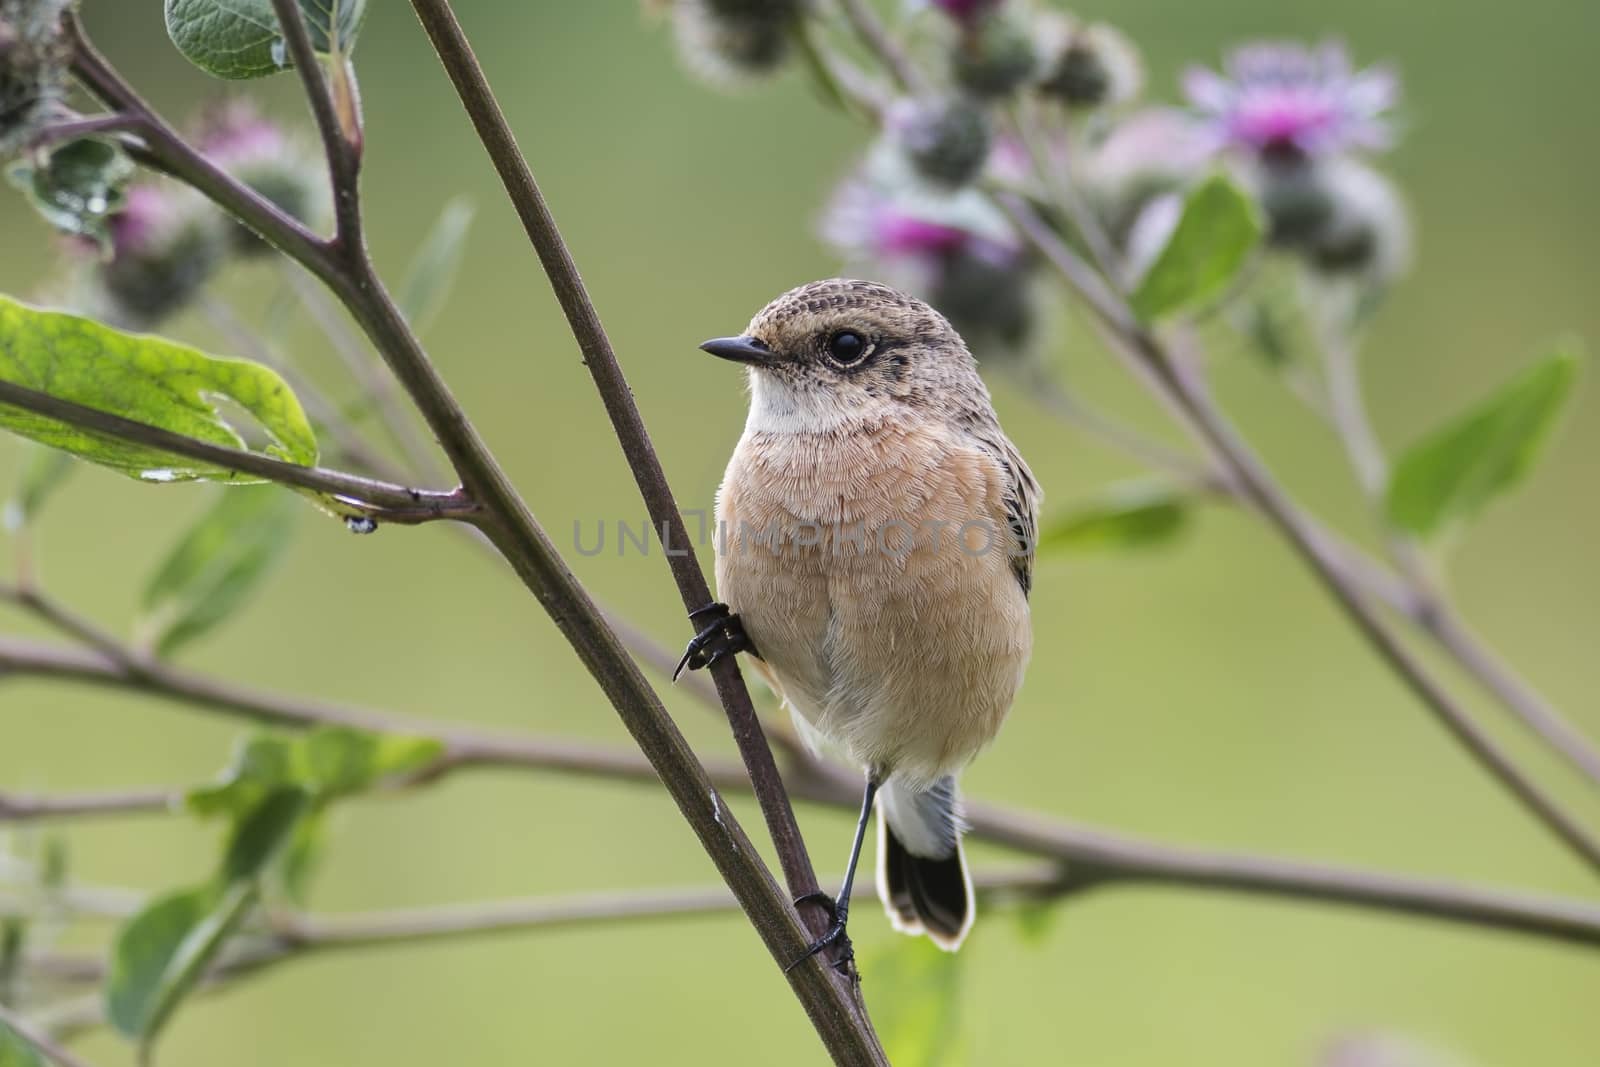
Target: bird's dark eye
848,347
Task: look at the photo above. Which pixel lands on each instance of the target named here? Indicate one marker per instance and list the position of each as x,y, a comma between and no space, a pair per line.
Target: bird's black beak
738,349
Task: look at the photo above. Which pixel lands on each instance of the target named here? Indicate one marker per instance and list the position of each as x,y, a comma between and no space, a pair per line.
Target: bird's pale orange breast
871,569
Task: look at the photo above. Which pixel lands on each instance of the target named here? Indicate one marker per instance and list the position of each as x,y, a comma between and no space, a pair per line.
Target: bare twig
875,35
455,52
347,269
1094,856
1433,613
378,500
1301,532
38,1039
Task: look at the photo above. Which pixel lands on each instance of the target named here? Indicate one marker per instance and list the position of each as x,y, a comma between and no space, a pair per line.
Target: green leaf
258,837
302,856
1453,473
219,563
147,379
340,760
78,186
43,472
433,271
916,1003
18,1051
329,762
260,763
238,39
1219,229
162,952
1131,516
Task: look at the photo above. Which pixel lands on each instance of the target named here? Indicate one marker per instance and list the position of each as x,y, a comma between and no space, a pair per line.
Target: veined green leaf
916,1003
1131,516
219,563
433,271
237,39
1218,230
1454,472
147,379
260,763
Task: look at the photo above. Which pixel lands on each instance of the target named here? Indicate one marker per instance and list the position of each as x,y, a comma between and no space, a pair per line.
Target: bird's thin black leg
721,633
841,907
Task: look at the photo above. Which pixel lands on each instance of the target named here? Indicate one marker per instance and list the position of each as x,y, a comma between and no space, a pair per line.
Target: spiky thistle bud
947,139
1087,66
33,67
730,42
993,56
166,243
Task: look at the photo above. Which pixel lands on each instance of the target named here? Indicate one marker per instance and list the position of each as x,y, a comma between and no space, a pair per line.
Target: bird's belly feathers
872,572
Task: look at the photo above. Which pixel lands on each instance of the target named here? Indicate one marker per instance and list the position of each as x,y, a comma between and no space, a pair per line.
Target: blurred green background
1208,694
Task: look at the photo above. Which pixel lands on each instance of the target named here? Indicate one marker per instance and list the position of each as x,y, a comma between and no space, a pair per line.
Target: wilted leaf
18,1051
1219,229
217,566
237,39
915,999
164,950
1132,516
1450,475
146,379
436,265
78,186
43,472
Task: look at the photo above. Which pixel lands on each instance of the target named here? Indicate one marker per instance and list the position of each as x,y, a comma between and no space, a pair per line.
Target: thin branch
169,152
344,156
348,271
377,384
28,807
875,36
38,1039
1302,533
378,500
1094,856
455,53
1434,614
1152,364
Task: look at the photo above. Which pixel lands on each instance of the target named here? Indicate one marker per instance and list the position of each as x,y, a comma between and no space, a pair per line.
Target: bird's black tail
922,873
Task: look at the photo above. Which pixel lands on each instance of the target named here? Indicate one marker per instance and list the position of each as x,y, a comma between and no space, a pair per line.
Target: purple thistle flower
234,134
1281,99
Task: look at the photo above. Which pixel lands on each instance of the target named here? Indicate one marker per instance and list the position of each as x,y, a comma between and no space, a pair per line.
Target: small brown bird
875,535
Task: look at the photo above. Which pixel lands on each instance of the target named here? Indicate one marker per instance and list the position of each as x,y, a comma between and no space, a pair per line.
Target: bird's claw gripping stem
720,634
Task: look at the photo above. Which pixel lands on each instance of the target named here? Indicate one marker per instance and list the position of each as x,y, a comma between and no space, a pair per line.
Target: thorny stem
1093,856
455,52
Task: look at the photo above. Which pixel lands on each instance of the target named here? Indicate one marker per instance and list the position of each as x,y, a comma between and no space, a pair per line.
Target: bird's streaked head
840,352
